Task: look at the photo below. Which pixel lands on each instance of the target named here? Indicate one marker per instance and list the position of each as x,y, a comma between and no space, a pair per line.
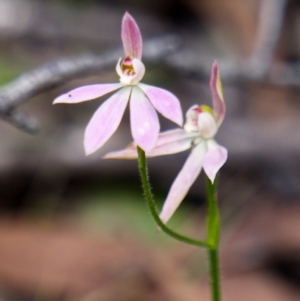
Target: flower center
127,67
131,70
200,119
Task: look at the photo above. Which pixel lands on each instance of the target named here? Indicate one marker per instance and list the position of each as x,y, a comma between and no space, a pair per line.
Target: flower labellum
202,124
144,100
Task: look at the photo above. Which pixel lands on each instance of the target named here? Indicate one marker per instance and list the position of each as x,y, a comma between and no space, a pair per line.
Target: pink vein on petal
144,120
131,37
214,159
164,102
183,182
87,93
105,120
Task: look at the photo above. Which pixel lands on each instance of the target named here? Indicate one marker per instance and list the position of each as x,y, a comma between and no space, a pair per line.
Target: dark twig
20,120
255,68
56,73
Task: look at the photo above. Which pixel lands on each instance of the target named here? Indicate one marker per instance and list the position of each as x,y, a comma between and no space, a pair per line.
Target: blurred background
77,228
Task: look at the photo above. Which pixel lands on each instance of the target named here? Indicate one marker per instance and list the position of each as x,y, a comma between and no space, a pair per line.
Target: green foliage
8,71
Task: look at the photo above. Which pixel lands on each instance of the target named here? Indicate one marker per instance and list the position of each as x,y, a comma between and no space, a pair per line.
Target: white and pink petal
144,120
105,120
87,93
183,181
173,136
169,142
214,159
164,102
130,152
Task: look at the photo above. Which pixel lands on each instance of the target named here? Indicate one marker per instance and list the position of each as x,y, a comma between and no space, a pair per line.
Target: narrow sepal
131,37
184,181
169,142
87,93
217,94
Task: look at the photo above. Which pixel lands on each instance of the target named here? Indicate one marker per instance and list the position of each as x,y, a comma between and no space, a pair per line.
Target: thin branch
56,73
255,68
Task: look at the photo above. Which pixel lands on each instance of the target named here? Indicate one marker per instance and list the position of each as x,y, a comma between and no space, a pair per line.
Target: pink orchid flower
144,99
202,124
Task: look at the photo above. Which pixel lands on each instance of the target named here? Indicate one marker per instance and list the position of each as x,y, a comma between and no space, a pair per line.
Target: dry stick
58,72
255,68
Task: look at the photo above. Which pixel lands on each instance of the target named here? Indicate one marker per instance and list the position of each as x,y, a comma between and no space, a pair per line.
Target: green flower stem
213,217
213,235
214,274
142,163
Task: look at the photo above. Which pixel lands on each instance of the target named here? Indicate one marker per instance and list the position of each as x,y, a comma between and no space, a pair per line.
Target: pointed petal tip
64,98
128,20
88,151
212,178
215,64
88,147
179,120
59,99
126,16
214,159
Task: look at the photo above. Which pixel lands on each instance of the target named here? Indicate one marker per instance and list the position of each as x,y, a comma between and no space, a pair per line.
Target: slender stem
214,274
213,235
213,217
152,206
